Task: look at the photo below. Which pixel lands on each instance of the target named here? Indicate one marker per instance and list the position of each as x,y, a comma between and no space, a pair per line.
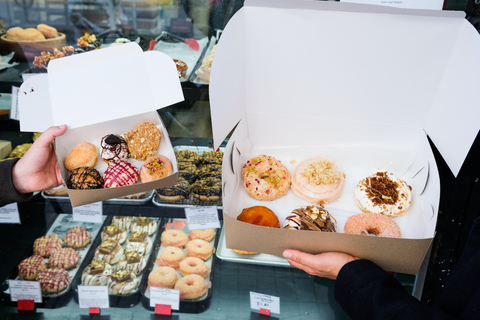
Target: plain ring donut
372,224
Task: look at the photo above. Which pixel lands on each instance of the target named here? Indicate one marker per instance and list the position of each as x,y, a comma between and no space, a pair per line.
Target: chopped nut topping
320,172
381,190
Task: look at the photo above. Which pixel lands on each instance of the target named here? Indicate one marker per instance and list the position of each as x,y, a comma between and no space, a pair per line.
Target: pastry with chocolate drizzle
314,218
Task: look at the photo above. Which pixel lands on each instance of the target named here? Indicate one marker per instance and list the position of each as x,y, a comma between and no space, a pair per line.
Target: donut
372,224
30,267
109,251
65,258
120,174
122,282
260,216
155,167
314,218
144,224
59,191
77,237
82,155
207,190
204,234
265,178
187,171
188,156
199,248
318,180
47,31
123,222
140,242
114,148
85,178
191,287
163,277
384,193
170,257
112,232
53,280
173,238
30,34
97,273
177,192
132,261
143,141
212,157
46,245
13,33
194,265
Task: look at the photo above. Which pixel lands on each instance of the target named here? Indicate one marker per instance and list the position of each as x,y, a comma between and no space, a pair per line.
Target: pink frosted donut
265,178
170,257
199,248
191,287
204,234
194,265
173,238
163,277
318,180
372,224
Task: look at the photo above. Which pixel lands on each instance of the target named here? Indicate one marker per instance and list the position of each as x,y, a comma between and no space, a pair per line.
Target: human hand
38,170
325,265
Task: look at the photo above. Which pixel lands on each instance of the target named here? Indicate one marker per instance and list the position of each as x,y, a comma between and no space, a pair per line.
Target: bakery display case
188,32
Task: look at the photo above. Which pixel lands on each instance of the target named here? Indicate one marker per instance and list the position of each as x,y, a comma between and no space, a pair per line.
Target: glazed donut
14,33
318,180
109,251
144,224
194,265
204,234
383,193
122,282
140,242
163,277
177,192
53,280
77,237
155,167
65,258
46,245
170,257
265,178
113,232
199,248
97,274
30,267
132,261
31,34
173,238
372,224
82,155
47,31
191,287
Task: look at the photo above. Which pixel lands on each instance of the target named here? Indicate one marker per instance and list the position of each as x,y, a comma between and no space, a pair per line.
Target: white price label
202,218
25,290
169,297
88,213
9,213
93,297
264,301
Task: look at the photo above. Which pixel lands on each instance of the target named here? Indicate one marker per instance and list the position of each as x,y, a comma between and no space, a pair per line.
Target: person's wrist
18,180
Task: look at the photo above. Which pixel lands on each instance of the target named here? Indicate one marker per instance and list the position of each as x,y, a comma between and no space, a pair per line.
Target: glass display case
186,30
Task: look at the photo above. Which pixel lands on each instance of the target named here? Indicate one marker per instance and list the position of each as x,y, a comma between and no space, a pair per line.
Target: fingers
50,134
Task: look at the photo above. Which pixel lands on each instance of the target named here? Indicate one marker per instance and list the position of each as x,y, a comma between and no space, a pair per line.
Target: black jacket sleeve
8,193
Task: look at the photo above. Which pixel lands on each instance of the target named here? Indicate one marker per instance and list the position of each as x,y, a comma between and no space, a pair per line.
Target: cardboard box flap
104,84
333,47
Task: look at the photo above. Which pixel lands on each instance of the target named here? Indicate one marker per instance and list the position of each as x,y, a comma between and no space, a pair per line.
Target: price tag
88,213
202,218
25,290
93,297
163,296
9,213
264,303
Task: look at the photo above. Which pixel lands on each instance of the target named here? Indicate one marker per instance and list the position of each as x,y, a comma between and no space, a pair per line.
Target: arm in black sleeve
8,193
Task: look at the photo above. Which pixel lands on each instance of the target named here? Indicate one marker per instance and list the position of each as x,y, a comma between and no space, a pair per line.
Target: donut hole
371,232
192,263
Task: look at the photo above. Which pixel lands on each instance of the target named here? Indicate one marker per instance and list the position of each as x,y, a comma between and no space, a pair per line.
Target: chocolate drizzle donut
85,178
114,148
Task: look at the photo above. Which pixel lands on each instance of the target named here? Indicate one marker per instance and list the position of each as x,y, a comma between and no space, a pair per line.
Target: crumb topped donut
372,224
30,267
265,178
170,257
384,193
174,238
191,287
199,248
143,141
318,180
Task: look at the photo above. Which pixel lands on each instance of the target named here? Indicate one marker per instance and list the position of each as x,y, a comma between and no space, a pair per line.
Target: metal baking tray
138,201
190,306
194,78
132,298
60,226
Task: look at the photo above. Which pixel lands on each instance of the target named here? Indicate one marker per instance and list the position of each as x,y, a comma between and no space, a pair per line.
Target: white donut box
361,84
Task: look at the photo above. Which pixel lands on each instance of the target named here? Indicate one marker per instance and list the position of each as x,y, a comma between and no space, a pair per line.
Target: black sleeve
8,193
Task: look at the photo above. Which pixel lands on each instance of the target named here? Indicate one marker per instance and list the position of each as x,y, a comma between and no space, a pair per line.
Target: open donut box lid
100,92
361,84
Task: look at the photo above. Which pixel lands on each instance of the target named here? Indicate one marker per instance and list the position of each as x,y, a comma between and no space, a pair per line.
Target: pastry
203,72
65,258
182,68
187,171
120,174
82,155
383,193
122,282
77,237
60,191
44,58
314,218
155,167
191,287
30,267
85,178
132,261
114,148
46,245
144,224
199,248
194,265
174,238
204,234
88,42
14,33
372,224
188,156
212,157
260,216
143,141
109,251
47,31
177,192
163,277
123,222
114,233
170,257
97,274
53,280
208,190
30,34
140,242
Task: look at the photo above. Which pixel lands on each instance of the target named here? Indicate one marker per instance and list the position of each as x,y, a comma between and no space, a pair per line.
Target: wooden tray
30,49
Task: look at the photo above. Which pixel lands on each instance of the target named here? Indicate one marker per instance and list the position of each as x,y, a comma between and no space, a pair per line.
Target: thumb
50,134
